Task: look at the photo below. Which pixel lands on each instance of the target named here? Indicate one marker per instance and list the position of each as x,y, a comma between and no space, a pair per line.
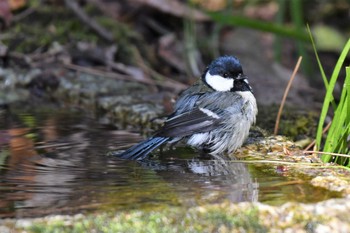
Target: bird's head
225,74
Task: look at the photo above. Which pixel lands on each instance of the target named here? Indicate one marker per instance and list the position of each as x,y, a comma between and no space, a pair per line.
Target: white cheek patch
218,82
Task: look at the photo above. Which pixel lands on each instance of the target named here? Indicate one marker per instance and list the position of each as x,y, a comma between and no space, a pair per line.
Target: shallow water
55,162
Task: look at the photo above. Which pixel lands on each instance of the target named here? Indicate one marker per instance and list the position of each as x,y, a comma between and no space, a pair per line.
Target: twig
27,12
93,71
285,95
176,8
173,86
104,33
323,132
327,153
160,79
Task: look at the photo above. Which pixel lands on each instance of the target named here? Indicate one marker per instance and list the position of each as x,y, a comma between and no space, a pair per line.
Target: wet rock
333,183
8,97
11,79
129,112
43,83
290,160
123,104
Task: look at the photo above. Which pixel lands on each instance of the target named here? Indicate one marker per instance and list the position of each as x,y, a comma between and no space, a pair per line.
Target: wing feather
197,120
200,112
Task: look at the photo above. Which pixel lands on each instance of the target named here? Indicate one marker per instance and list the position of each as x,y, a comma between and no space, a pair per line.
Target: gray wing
198,120
200,113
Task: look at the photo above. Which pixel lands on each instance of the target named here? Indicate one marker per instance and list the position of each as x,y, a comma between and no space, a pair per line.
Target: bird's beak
241,77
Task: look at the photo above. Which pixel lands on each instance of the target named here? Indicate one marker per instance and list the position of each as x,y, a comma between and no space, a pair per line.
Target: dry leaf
176,8
16,4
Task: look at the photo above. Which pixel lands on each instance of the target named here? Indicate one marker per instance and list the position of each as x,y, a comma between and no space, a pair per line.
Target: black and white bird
215,113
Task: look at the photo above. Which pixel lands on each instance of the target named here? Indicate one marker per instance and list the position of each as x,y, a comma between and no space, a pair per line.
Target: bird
214,114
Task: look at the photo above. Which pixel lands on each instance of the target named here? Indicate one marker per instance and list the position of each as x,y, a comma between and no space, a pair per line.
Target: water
55,162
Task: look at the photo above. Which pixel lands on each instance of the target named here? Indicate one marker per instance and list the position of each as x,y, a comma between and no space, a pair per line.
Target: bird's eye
225,75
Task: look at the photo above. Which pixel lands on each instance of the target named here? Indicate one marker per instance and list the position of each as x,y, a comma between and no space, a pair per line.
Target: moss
329,216
45,27
247,220
55,226
52,23
299,126
226,217
294,123
169,220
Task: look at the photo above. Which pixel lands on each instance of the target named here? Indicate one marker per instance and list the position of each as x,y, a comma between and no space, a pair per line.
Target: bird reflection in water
215,179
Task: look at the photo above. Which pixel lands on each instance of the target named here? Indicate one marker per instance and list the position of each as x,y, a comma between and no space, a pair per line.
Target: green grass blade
337,137
336,130
323,74
329,93
342,147
236,20
347,86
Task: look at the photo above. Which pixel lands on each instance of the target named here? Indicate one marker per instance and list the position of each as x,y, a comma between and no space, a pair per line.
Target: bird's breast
249,108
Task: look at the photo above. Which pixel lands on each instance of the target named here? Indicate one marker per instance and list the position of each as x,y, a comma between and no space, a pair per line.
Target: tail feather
141,150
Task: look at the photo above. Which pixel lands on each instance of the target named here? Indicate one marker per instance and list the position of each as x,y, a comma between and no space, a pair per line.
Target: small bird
214,114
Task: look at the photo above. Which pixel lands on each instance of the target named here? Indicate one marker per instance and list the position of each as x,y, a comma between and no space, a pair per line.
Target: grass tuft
337,138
